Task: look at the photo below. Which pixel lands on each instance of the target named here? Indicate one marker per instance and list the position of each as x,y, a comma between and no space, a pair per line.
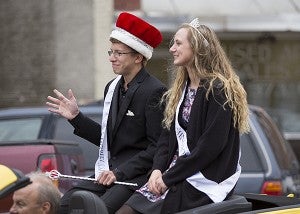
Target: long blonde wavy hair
209,63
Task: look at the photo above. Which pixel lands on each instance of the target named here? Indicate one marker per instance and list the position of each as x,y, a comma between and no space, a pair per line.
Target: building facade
63,44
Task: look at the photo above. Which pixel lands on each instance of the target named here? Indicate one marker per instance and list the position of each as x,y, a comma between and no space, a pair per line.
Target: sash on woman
102,161
217,192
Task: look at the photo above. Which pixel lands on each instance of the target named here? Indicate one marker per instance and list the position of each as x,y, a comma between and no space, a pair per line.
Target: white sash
216,192
102,161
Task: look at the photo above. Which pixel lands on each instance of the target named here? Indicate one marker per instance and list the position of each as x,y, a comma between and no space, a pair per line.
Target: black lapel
136,82
113,111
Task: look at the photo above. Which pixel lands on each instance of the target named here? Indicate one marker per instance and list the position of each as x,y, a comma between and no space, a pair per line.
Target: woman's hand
156,184
66,107
161,186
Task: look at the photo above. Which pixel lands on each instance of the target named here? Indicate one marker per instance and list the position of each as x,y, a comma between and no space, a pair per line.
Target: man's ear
46,207
139,58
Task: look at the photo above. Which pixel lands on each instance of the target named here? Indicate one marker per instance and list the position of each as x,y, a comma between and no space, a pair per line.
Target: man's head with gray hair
41,196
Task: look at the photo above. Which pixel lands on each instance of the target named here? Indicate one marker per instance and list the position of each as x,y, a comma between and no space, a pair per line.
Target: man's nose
12,210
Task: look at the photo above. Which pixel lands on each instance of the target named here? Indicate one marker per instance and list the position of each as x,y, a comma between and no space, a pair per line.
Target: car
33,123
32,138
41,155
87,202
269,165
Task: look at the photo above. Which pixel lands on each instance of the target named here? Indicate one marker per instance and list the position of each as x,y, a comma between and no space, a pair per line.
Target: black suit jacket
132,130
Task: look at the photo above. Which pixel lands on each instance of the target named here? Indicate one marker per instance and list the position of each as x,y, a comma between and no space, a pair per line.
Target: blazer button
173,189
114,158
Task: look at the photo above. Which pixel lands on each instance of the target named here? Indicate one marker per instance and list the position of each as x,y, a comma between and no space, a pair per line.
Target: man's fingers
60,96
71,95
106,178
109,181
53,99
52,105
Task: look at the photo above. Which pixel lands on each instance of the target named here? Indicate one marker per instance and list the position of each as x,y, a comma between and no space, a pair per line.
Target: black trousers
113,196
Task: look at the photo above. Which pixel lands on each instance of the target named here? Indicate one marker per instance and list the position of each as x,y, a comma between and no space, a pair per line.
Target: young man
39,197
132,115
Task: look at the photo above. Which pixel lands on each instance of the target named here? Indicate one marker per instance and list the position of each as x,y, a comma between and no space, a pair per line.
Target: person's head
197,47
132,42
197,51
41,196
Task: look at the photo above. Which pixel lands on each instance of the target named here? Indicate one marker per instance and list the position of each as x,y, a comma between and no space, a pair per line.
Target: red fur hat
137,34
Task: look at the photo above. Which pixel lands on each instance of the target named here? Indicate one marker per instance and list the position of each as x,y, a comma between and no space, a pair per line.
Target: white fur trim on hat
133,42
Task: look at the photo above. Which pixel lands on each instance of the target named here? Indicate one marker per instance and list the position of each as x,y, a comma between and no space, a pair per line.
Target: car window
250,161
20,129
282,151
286,120
64,130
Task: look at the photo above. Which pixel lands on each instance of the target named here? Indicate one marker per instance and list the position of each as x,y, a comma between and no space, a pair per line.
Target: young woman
197,160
